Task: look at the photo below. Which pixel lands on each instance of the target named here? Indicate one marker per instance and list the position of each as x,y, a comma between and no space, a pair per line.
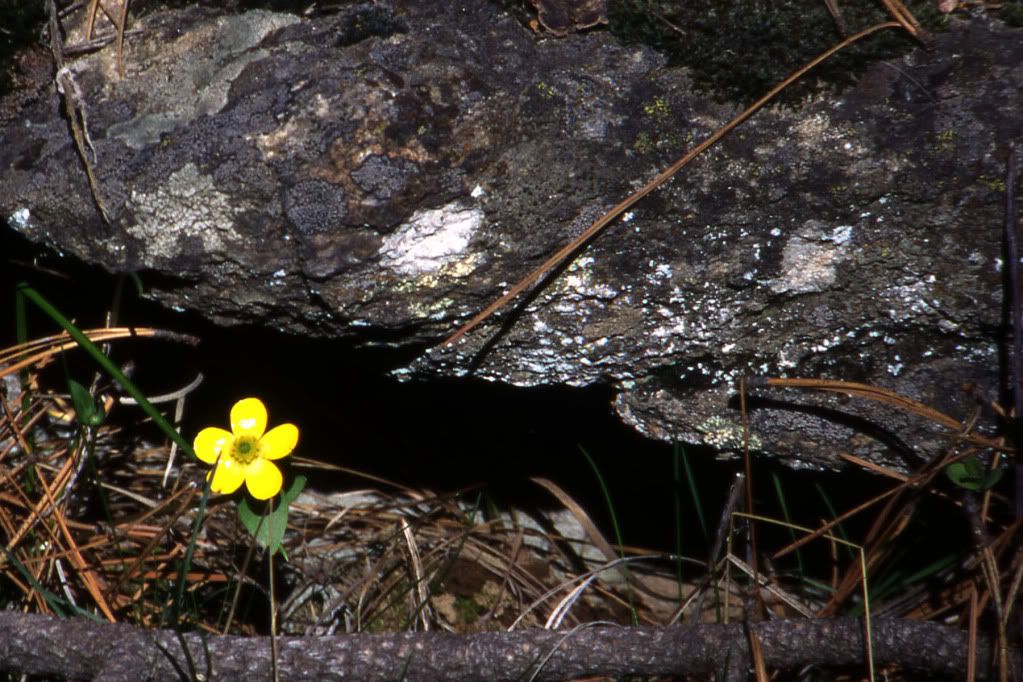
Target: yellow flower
246,451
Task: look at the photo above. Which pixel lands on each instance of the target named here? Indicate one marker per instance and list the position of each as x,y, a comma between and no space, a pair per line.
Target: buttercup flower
246,452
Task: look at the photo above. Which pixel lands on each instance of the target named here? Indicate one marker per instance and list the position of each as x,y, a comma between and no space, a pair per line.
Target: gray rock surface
387,171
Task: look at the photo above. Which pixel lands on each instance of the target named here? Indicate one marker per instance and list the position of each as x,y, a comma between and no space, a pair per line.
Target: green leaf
296,487
965,475
86,409
268,528
970,474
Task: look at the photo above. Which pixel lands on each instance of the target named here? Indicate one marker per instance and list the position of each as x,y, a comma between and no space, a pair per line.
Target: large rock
387,171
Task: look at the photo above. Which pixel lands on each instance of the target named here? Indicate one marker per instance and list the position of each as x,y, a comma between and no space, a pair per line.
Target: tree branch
81,649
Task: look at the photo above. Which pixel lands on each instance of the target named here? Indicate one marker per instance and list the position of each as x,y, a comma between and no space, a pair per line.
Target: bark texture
42,645
386,171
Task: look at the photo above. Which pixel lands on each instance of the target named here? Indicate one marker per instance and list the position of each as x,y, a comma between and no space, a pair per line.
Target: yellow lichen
657,109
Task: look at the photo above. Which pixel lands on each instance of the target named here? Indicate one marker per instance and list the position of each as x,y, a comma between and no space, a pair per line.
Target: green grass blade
677,452
607,499
59,605
186,562
694,491
931,569
839,528
614,525
109,367
779,492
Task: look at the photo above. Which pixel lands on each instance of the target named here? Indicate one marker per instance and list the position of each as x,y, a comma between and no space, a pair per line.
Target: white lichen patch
431,239
909,301
186,205
578,281
811,130
272,143
810,258
19,219
720,432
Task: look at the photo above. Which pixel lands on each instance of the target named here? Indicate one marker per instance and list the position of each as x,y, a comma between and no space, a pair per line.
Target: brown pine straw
88,576
37,510
893,518
119,22
32,352
50,479
189,494
882,395
757,654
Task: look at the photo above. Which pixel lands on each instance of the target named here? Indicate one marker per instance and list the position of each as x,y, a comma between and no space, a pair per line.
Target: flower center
245,449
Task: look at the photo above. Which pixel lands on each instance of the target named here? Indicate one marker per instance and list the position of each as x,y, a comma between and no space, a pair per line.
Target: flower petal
210,442
227,477
263,479
279,441
248,418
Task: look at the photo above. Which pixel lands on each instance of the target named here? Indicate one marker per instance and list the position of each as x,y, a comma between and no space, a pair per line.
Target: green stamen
244,450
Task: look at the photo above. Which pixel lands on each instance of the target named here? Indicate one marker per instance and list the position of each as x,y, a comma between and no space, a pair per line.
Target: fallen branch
83,649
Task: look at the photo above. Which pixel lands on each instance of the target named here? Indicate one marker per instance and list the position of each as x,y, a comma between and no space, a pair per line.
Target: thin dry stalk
119,21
